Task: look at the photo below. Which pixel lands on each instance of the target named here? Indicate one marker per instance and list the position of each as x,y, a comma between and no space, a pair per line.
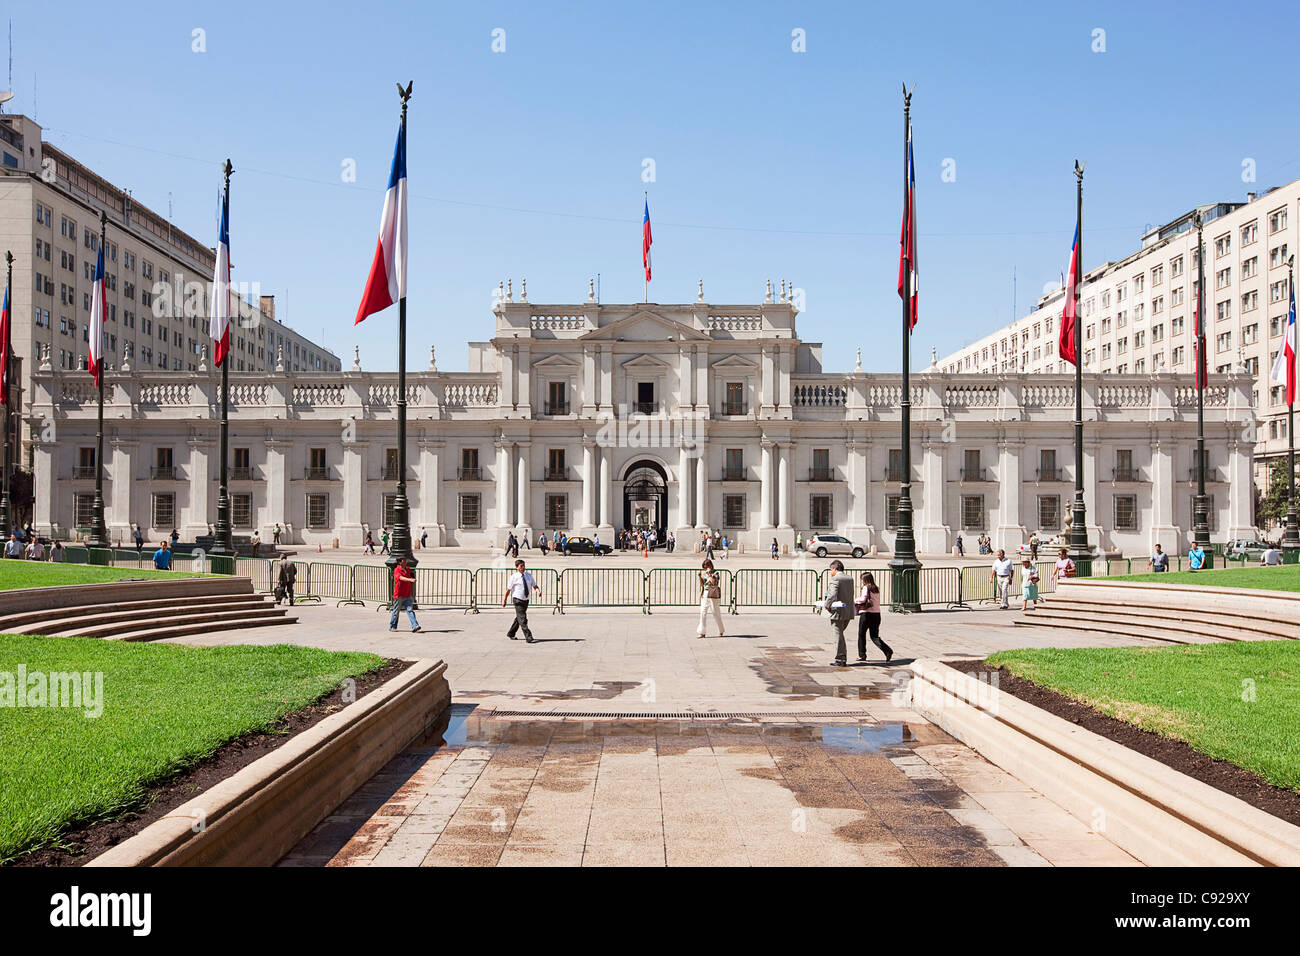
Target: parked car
1251,549
579,545
824,544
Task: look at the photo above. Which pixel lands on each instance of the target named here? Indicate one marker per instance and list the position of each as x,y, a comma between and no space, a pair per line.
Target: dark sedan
578,545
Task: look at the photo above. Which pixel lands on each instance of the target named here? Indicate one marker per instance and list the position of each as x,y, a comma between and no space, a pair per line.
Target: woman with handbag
710,595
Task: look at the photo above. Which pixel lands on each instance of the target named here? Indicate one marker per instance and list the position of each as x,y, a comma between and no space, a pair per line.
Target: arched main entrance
645,497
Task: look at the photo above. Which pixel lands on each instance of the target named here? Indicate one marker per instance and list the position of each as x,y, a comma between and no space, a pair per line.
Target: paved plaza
592,747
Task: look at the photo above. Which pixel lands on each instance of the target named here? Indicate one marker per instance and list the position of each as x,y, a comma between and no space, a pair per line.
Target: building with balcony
743,431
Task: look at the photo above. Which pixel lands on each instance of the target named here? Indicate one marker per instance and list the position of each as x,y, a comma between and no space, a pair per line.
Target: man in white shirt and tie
520,589
1001,577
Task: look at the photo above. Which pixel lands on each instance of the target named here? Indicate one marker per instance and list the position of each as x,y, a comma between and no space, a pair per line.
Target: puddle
865,740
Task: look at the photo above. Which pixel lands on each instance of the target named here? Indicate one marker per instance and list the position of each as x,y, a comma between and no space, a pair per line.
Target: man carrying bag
838,603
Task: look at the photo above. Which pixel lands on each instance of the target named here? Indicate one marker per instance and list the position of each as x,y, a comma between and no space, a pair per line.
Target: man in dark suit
838,603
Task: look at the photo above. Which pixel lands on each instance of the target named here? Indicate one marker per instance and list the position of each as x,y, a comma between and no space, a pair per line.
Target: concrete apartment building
1137,312
158,276
588,418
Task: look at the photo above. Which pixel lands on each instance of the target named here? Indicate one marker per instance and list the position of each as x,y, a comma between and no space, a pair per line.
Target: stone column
524,449
684,523
194,519
352,532
589,479
430,510
1164,485
702,489
606,497
1091,499
1240,485
931,533
857,485
119,510
505,518
784,487
765,492
277,494
588,405
1010,532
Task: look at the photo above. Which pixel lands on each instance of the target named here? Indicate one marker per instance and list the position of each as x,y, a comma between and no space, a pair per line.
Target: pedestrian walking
776,553
35,550
798,541
595,545
672,542
275,535
1196,556
403,595
139,538
176,536
1000,575
961,547
285,578
1028,584
1159,560
255,542
868,608
424,539
710,596
726,545
520,589
162,558
383,536
523,539
838,603
369,547
13,547
56,553
542,544
1033,547
1064,566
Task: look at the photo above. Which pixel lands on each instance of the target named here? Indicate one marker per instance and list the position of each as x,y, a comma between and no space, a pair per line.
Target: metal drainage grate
678,715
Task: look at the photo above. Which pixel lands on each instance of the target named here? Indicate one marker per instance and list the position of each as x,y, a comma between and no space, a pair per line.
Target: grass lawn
164,707
1281,578
40,574
1193,694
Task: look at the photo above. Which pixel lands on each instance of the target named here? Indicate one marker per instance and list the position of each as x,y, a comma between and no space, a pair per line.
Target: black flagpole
401,547
1291,537
1200,516
905,566
1080,551
223,544
98,530
5,526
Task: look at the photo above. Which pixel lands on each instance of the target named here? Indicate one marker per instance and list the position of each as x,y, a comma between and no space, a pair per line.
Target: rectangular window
1126,517
1124,465
972,512
734,467
894,471
390,510
242,469
1049,512
734,402
555,465
557,512
733,511
1047,465
164,511
469,470
241,511
970,465
469,512
821,464
819,511
316,463
891,512
318,511
390,469
557,398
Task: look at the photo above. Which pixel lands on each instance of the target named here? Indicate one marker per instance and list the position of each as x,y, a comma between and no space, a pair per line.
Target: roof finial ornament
510,290
859,365
700,297
203,358
591,290
768,296
433,358
279,358
782,290
523,290
356,358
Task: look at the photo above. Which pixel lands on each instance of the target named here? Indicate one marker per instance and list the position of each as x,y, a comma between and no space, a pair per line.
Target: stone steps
1208,621
127,624
35,622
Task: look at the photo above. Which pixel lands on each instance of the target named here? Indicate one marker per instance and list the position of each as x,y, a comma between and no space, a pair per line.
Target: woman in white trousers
710,595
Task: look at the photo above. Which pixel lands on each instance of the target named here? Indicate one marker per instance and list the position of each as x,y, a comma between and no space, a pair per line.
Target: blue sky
768,163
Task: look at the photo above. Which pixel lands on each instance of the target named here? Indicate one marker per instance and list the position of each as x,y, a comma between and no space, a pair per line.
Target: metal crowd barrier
259,570
775,587
489,586
602,587
680,587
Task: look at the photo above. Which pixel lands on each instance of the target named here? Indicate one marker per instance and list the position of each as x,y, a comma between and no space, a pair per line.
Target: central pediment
645,326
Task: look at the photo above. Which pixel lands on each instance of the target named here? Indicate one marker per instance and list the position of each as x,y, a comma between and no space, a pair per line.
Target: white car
824,544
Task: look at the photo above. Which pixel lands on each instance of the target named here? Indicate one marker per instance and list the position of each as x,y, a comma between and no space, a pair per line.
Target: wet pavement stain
479,790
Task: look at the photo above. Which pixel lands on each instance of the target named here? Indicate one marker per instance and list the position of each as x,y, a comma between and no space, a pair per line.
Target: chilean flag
219,324
387,281
1283,368
907,238
1069,316
646,240
4,351
98,312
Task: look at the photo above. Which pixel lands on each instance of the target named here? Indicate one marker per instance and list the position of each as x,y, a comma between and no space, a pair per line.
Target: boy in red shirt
403,599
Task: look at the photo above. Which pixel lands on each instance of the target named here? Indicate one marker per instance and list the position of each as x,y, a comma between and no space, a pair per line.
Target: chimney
1250,197
267,304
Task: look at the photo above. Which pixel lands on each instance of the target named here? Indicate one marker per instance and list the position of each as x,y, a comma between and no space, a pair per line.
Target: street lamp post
401,542
1200,518
98,530
223,544
5,505
1291,536
905,566
1080,550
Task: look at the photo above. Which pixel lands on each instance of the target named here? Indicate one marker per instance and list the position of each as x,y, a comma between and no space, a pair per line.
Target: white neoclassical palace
591,418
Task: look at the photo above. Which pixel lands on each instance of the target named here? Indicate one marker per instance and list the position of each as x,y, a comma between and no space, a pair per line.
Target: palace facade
591,418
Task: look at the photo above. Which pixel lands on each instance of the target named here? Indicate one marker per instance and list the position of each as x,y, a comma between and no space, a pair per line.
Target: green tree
1272,507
